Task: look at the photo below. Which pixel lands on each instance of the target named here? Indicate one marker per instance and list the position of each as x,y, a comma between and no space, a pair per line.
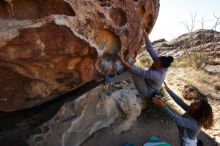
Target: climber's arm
181,121
178,100
149,47
123,62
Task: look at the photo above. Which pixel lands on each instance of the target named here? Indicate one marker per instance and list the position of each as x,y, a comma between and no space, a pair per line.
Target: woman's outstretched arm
148,74
149,47
176,98
181,121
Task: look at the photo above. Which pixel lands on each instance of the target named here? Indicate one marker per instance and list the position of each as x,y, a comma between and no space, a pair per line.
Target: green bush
166,45
196,60
143,61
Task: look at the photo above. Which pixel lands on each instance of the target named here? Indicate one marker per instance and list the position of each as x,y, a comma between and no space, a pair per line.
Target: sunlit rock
49,47
78,120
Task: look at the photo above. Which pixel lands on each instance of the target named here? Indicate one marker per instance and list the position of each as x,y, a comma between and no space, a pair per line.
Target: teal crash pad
155,141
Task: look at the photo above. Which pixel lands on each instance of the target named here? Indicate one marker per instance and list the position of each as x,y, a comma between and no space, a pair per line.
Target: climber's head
163,61
201,111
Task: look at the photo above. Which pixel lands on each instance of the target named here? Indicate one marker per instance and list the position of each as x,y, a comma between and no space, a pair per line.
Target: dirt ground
177,78
139,134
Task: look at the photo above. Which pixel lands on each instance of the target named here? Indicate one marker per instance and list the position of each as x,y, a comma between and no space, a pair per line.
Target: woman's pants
140,83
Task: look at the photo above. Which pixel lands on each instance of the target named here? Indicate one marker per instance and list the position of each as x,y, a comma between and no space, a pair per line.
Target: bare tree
216,22
199,58
190,26
195,58
202,22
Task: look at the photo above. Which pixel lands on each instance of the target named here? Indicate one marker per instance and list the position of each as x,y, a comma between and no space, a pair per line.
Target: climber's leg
138,81
141,86
119,78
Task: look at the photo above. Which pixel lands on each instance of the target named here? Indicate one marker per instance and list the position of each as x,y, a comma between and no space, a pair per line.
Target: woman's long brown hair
204,114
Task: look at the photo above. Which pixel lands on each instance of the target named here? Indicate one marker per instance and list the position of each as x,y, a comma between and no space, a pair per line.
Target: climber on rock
148,82
198,114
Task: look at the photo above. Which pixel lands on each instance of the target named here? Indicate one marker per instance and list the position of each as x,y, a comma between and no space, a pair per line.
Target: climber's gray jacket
153,77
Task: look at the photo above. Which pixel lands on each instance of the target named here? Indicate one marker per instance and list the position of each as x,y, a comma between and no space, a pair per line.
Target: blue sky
173,13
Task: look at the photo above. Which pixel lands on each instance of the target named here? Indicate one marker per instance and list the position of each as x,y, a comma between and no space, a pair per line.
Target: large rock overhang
50,47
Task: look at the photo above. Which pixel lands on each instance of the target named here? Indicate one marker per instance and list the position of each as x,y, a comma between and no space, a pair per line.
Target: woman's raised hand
123,61
158,102
165,86
121,57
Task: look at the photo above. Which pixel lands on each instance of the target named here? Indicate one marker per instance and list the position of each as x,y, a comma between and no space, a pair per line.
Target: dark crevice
101,15
19,125
105,3
118,16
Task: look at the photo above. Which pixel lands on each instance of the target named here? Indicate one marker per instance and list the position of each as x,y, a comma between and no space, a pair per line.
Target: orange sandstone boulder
50,47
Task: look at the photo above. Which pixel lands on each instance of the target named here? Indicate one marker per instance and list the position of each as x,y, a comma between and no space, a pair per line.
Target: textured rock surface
52,46
190,92
76,121
202,47
207,41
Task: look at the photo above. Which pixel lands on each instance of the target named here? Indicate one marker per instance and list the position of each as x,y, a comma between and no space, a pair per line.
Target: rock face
203,46
207,41
76,121
49,47
190,92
